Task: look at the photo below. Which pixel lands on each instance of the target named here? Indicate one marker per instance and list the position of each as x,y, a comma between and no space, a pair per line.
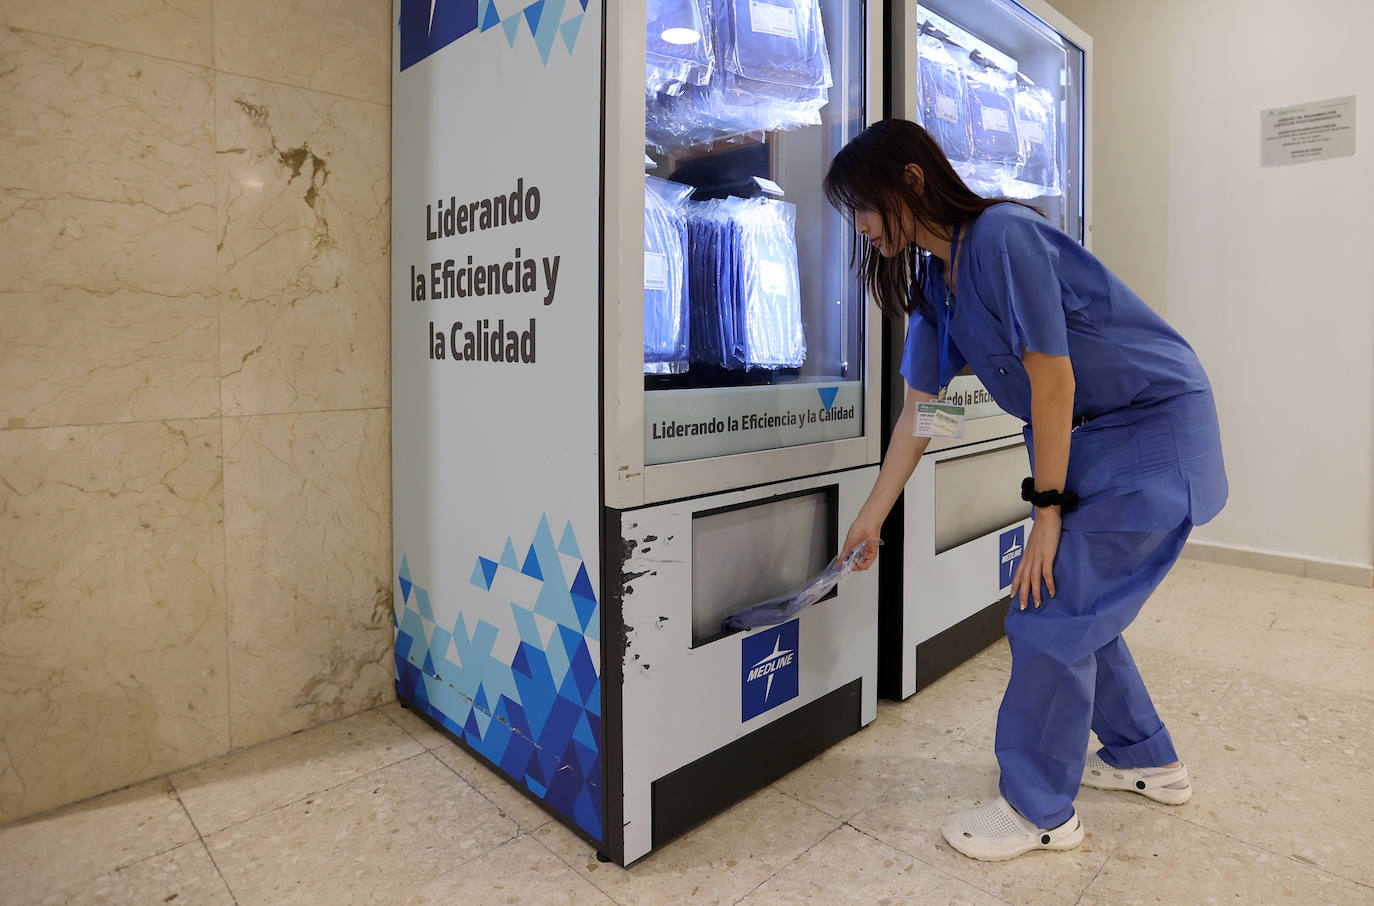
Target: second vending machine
636,388
1002,87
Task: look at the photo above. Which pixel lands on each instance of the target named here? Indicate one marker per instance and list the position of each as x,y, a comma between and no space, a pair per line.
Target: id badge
937,419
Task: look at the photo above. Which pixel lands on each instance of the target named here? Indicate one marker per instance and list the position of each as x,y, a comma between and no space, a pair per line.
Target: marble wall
194,399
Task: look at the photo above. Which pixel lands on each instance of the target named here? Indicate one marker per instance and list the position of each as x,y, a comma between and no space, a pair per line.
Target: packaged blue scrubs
992,113
772,49
679,45
772,71
1037,126
768,285
744,286
941,104
710,285
665,272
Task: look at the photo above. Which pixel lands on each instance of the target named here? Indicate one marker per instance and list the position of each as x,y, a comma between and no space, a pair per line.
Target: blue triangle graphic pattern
828,396
569,30
532,14
428,26
492,17
479,577
536,717
568,545
531,567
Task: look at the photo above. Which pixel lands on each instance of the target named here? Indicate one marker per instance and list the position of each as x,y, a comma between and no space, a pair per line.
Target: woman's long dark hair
869,174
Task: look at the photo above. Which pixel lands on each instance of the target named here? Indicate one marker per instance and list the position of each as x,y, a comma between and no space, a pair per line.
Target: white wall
1269,272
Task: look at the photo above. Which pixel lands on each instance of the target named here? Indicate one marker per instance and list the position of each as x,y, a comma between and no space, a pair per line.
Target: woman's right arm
903,452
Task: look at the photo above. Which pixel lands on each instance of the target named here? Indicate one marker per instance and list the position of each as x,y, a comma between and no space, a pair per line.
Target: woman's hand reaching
863,529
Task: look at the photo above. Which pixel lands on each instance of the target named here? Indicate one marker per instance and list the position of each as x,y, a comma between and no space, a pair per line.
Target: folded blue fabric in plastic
941,103
1038,128
679,45
780,609
769,286
666,325
771,72
773,49
744,289
992,114
706,272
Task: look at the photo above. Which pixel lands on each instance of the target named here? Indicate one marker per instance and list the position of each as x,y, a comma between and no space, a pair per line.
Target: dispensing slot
749,553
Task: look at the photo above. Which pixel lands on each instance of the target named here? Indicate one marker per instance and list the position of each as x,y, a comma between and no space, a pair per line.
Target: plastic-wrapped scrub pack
679,45
712,243
745,290
772,74
680,56
773,56
769,286
666,327
941,102
1037,126
992,112
780,609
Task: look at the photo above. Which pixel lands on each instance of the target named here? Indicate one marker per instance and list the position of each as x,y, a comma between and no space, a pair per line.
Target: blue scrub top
1149,454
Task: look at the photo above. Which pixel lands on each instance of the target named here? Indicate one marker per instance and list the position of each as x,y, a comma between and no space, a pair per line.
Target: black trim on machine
940,654
612,688
891,613
700,790
612,757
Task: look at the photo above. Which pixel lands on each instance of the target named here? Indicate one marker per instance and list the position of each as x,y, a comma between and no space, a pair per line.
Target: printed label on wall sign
1303,133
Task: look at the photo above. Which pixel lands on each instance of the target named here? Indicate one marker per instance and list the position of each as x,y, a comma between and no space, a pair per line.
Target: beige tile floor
1266,681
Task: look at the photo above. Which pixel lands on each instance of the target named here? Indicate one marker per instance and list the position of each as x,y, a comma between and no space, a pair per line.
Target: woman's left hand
1037,563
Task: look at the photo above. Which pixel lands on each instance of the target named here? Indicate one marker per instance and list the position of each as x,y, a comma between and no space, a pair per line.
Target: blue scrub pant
1070,670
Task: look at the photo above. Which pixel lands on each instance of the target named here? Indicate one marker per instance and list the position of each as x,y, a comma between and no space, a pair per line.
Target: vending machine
1002,86
635,388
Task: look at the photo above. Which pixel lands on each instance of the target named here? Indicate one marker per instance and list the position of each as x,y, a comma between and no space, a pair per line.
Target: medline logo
770,663
769,670
1010,545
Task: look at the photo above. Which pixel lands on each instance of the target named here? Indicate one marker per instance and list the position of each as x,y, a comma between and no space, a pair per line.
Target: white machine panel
950,497
682,702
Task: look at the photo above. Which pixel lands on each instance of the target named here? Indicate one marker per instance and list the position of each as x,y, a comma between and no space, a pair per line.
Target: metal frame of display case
628,481
916,651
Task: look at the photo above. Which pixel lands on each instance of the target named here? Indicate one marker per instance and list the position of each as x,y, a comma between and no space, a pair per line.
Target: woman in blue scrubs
1125,459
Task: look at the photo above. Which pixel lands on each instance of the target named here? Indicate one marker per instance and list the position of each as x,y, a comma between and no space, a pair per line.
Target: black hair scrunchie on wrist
1067,501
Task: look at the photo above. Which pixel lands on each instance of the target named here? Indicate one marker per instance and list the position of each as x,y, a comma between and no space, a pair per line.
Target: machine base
714,782
424,714
940,654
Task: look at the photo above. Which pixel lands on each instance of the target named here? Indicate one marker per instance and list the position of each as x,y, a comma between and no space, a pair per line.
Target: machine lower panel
698,717
707,786
939,655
